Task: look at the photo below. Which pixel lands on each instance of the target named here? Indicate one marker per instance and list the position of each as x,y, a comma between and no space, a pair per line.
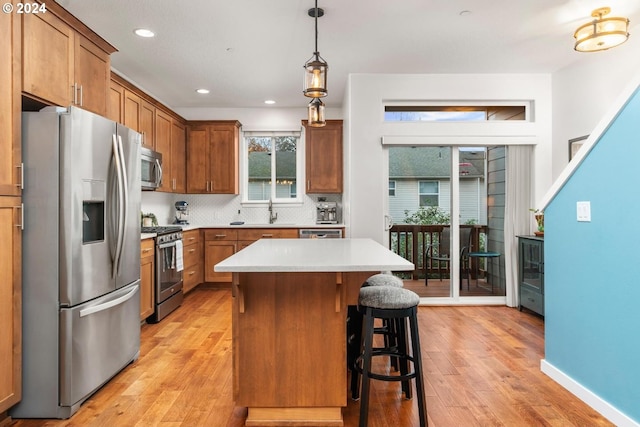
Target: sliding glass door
447,209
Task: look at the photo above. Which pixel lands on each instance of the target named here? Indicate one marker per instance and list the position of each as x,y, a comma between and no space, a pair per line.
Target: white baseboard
587,396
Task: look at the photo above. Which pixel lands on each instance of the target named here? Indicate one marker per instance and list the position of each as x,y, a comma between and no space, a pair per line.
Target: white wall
365,181
584,92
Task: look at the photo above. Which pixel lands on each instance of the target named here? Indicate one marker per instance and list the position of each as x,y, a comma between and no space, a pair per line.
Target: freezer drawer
97,340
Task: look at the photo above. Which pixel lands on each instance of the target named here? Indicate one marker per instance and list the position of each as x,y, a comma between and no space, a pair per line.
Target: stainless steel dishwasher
320,233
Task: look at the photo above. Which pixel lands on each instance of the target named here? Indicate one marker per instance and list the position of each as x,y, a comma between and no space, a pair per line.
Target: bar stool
394,304
388,329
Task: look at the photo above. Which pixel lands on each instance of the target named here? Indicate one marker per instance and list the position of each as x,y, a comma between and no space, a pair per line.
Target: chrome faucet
272,217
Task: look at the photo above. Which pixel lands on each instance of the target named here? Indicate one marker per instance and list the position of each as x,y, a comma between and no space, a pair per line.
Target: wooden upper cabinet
131,111
115,102
178,161
213,157
323,160
92,71
129,107
197,159
10,144
163,145
47,58
224,141
147,124
62,65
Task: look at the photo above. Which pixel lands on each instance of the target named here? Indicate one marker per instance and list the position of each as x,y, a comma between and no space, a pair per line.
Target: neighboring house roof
260,165
412,162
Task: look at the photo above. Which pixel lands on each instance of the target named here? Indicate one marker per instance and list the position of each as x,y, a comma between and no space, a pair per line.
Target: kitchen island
290,299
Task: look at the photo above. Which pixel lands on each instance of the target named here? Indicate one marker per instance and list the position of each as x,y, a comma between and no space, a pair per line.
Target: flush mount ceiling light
601,33
316,113
315,69
143,32
202,91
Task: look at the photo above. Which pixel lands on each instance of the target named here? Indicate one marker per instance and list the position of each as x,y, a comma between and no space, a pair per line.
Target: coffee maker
326,213
182,213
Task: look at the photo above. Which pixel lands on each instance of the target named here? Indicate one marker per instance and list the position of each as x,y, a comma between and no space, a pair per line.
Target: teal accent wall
592,269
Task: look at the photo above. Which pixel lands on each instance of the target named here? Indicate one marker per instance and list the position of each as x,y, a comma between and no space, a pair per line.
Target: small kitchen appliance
182,213
327,213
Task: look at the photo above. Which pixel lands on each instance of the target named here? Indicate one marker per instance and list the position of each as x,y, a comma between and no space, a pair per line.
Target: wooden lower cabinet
147,273
192,250
219,244
10,302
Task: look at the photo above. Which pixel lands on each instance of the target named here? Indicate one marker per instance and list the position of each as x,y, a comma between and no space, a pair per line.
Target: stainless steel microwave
151,170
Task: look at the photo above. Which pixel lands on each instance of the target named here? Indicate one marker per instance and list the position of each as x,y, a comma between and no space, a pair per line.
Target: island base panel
280,417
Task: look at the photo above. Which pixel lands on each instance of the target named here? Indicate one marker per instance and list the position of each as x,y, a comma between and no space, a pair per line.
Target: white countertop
301,255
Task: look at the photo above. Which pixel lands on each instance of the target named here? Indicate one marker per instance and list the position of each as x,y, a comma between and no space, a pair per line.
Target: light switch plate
584,211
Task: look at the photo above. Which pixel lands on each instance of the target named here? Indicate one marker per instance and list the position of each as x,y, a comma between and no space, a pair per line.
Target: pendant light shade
316,113
601,33
315,77
315,69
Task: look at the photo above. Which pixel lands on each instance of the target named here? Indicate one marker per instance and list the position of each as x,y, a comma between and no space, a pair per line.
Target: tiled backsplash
205,209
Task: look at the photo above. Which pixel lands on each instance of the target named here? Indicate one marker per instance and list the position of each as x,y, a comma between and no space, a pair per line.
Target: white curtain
517,215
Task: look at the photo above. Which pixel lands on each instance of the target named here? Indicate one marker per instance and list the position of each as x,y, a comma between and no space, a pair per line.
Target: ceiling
248,51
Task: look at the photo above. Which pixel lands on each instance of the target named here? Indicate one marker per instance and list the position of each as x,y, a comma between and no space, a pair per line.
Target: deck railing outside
412,241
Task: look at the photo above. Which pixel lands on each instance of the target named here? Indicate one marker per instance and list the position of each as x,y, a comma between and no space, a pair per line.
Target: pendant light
601,33
316,113
315,69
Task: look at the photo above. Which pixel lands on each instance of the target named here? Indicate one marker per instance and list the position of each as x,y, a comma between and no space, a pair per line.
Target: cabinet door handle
146,250
192,250
81,97
21,225
308,184
74,94
267,235
21,167
221,235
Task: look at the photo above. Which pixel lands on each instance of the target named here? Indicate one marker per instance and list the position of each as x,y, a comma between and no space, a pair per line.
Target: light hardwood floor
482,368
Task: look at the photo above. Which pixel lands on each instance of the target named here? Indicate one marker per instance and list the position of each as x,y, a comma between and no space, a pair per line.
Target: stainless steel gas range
168,274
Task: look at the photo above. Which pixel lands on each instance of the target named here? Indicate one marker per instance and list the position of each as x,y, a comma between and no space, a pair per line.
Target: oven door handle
166,245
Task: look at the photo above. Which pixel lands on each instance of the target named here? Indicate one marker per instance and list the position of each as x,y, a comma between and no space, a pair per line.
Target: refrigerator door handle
124,202
116,260
107,305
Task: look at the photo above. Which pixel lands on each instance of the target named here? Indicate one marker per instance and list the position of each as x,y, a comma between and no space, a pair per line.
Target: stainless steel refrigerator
81,258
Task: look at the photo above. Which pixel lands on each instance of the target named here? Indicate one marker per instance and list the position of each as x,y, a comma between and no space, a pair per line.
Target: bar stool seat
384,279
397,305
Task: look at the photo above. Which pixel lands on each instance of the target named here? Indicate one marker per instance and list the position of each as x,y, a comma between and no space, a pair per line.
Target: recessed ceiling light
202,91
143,32
270,101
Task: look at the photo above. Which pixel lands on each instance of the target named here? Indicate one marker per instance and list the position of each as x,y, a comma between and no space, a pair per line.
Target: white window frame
437,193
245,167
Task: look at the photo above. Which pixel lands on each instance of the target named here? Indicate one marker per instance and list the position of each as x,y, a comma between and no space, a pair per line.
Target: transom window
453,113
271,166
429,192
